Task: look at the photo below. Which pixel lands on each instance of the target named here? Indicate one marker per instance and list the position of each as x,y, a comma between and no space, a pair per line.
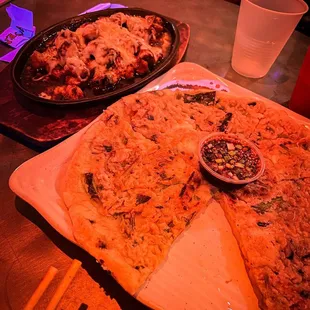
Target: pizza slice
129,197
270,217
273,236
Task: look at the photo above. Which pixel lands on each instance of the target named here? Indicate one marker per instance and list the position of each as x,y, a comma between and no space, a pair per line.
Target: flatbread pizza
130,195
135,184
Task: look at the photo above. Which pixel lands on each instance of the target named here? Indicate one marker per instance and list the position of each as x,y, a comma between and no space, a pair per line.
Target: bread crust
143,151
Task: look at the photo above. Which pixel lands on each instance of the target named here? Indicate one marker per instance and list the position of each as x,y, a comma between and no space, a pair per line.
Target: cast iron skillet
72,24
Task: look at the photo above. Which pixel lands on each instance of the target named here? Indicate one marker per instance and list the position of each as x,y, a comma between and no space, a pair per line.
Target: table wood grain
28,244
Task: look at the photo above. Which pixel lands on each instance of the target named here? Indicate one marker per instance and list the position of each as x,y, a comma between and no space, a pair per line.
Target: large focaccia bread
134,184
131,192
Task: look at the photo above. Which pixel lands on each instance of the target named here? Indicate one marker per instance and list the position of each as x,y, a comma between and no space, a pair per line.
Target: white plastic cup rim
306,8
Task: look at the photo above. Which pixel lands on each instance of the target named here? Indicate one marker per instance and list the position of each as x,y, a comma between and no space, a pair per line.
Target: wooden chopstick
63,285
49,276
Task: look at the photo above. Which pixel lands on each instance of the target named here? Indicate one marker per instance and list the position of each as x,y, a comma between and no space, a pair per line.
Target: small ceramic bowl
230,139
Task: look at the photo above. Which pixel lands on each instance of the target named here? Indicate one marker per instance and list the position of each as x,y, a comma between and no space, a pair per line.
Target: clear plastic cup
263,28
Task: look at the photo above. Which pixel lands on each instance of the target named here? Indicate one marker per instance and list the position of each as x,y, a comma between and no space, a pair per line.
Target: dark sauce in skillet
36,87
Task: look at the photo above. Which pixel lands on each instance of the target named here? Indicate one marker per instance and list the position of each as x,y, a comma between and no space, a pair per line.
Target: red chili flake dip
231,158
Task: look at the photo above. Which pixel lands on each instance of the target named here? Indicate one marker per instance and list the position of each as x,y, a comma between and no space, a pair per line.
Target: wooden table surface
28,244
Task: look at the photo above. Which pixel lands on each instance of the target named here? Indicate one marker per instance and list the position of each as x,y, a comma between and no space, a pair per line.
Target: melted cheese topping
111,48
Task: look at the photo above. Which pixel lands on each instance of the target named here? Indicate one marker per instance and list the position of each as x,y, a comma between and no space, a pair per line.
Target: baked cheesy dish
97,57
134,185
